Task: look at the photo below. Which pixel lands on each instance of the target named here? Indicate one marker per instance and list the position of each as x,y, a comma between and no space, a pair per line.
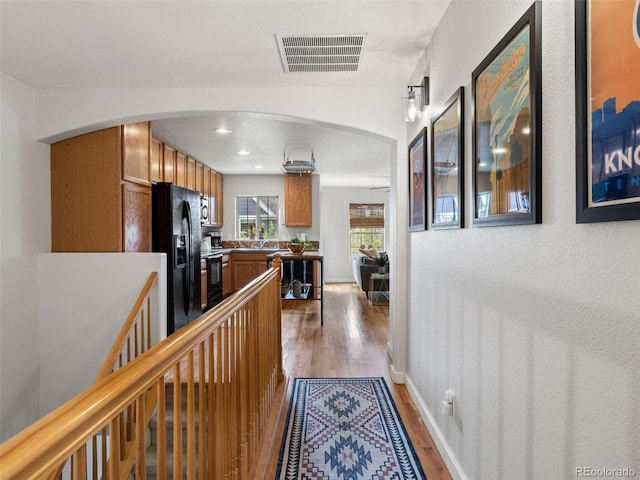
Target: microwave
204,209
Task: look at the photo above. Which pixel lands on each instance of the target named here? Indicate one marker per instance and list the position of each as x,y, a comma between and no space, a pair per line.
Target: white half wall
84,300
25,214
534,328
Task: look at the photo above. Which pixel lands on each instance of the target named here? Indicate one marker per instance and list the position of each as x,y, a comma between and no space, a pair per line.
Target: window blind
366,215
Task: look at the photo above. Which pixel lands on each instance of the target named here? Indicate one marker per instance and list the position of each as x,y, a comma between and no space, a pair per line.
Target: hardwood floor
352,343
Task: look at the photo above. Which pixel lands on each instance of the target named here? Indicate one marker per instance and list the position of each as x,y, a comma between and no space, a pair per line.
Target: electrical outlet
447,403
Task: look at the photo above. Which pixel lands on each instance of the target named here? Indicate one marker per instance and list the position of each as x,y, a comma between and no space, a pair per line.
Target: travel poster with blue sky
614,84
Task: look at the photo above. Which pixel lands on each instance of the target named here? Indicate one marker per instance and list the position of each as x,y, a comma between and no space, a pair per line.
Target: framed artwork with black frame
418,182
607,110
507,125
447,164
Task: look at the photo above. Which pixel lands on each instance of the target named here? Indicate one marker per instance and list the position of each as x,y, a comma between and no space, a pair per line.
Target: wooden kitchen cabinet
227,278
136,214
206,181
219,201
155,159
191,173
136,143
181,170
93,207
215,197
169,163
200,177
203,284
297,199
246,267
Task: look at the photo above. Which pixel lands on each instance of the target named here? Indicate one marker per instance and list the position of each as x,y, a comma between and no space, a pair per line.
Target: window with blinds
366,225
366,215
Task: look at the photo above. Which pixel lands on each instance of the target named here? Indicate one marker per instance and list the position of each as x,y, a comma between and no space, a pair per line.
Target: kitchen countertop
226,251
263,251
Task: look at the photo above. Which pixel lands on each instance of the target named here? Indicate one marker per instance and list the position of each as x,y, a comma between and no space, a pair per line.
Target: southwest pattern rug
345,428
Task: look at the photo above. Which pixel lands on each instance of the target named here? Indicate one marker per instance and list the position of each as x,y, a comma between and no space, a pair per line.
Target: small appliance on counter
216,240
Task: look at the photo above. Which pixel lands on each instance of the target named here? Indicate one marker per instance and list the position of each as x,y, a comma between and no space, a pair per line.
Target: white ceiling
188,43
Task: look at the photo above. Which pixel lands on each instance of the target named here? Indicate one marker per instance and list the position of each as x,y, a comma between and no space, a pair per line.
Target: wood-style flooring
352,343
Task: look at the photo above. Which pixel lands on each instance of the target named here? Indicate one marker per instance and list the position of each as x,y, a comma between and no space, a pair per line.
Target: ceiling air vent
320,53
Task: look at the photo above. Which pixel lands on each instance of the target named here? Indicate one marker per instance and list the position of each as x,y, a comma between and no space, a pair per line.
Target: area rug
345,428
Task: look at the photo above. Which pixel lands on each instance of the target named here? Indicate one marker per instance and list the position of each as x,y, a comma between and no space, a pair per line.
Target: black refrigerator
176,231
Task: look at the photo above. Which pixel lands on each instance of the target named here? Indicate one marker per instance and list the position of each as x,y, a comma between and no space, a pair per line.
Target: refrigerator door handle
188,297
191,259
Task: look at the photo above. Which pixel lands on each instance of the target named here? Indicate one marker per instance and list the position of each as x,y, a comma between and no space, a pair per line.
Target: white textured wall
25,232
84,300
535,328
335,229
267,185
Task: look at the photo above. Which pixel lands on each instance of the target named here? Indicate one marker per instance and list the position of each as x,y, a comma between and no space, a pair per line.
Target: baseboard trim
396,376
340,280
455,469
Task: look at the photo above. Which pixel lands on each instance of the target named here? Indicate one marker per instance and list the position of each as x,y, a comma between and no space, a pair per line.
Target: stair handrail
43,446
128,328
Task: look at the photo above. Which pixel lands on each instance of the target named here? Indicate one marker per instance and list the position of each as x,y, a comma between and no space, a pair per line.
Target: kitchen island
301,279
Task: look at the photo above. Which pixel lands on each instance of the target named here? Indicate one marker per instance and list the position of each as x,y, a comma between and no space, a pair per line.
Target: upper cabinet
200,177
100,191
181,169
191,174
185,171
156,167
215,200
101,188
169,163
297,200
136,138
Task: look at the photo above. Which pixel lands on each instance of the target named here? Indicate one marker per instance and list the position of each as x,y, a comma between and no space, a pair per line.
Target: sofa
363,267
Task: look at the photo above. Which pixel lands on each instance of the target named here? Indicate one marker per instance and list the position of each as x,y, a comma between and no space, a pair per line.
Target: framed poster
417,182
607,110
447,164
507,116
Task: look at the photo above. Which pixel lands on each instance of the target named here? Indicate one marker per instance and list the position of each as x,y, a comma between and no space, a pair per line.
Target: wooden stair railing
133,340
229,363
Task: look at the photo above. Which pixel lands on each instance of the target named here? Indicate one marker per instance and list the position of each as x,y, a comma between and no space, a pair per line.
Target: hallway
352,343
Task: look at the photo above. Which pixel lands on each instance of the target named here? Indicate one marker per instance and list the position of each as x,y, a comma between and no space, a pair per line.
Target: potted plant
297,246
382,261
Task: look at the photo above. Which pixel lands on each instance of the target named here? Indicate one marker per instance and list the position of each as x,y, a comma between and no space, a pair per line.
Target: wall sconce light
416,100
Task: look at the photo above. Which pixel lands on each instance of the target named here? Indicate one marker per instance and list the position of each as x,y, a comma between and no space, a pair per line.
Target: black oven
214,280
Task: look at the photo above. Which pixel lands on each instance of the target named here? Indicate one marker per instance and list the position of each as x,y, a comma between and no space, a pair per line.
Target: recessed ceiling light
222,130
258,167
243,152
